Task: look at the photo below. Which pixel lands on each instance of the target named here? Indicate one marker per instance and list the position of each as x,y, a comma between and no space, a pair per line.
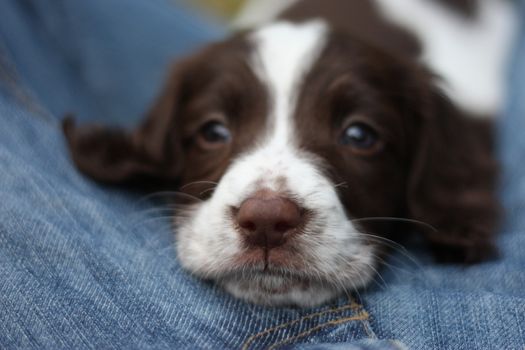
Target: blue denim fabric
87,266
103,60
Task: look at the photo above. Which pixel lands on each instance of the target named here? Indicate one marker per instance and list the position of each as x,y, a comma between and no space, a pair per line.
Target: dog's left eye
215,132
360,137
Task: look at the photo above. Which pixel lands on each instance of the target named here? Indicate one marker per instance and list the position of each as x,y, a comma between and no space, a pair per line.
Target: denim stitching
368,327
352,306
359,317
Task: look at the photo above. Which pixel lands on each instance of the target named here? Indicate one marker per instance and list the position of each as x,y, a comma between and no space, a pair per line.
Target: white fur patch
470,55
284,53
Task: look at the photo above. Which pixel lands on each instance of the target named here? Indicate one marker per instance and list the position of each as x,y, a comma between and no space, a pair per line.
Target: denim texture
103,60
89,266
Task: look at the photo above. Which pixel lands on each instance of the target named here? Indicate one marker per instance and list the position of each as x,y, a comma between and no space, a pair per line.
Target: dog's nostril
282,227
267,219
248,225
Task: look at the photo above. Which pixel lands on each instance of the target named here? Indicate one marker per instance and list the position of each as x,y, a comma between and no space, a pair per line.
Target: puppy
315,127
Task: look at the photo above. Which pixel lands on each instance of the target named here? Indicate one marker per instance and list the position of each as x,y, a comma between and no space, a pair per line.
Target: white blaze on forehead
284,53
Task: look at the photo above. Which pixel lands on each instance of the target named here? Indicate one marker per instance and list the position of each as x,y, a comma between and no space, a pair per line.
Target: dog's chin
274,290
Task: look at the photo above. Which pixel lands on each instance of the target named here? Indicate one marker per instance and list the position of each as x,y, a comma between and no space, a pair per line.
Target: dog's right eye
214,133
362,139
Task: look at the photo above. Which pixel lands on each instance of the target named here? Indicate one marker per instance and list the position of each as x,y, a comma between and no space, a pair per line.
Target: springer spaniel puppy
316,126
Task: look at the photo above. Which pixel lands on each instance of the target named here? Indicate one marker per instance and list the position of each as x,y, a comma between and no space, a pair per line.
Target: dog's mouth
285,258
270,272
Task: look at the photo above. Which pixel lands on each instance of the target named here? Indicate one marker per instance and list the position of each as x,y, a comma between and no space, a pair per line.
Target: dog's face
306,132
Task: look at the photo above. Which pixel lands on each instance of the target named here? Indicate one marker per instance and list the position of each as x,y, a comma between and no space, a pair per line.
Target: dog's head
307,132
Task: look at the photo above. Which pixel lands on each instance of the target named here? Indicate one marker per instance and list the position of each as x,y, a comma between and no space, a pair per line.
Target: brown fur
436,164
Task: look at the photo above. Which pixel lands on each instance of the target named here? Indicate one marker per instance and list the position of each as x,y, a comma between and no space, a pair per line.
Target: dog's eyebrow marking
284,53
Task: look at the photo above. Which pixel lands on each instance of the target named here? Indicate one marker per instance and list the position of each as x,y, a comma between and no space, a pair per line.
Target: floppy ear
150,152
452,184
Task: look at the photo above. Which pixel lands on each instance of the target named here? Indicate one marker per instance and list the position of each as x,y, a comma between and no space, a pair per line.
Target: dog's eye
360,136
215,132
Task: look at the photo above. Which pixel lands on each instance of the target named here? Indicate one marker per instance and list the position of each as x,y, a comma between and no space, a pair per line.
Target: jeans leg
512,137
102,60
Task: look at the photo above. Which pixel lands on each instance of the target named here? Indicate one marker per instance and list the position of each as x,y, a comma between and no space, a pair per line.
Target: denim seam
359,317
368,329
351,306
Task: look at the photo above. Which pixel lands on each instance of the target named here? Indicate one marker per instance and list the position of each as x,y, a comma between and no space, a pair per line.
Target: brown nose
268,220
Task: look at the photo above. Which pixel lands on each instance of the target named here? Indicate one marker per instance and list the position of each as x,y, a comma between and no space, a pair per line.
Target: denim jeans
88,266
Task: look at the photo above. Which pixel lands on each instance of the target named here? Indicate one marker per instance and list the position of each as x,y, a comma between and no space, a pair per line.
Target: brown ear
453,180
116,156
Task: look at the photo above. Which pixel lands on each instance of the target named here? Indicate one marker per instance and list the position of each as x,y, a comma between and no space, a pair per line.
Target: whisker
169,195
387,218
345,290
168,207
199,183
171,209
396,247
342,184
389,243
377,274
168,219
396,270
207,190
